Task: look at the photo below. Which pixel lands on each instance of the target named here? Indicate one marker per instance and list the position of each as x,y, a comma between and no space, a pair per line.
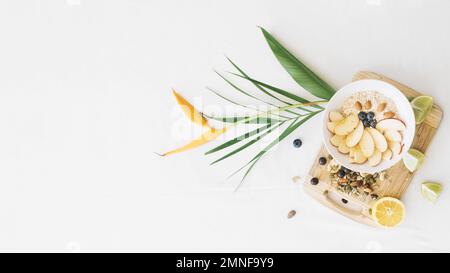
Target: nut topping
388,115
381,107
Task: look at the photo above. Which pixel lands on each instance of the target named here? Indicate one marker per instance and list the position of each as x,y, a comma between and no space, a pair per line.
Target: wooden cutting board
399,177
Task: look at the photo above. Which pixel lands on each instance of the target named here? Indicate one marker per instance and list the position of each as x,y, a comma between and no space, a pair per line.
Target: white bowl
404,109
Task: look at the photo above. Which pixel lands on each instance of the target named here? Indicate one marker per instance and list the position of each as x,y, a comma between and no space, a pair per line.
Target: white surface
85,101
388,91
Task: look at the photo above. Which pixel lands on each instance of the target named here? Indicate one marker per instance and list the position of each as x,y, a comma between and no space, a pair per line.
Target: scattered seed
344,201
342,180
291,214
314,181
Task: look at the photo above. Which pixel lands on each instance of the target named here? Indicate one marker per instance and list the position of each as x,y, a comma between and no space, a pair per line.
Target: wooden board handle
321,193
346,211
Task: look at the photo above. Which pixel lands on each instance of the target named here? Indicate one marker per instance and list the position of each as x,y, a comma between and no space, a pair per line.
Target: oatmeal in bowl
368,126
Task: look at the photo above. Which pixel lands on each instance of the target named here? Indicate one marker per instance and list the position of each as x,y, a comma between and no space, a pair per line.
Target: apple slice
352,152
393,136
395,147
335,116
375,159
358,156
343,148
391,124
331,125
387,155
336,140
347,125
367,144
354,137
379,140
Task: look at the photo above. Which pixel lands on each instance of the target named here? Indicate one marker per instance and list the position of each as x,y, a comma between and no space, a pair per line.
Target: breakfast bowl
368,126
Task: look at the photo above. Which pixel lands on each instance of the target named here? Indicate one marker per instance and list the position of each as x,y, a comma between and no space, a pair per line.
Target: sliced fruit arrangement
365,139
388,212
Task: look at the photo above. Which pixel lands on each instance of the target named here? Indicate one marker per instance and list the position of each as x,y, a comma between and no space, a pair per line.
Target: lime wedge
413,160
422,106
431,191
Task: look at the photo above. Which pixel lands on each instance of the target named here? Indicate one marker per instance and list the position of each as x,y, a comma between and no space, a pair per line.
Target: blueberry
298,143
366,123
370,115
322,161
344,201
345,169
362,116
373,123
314,181
341,173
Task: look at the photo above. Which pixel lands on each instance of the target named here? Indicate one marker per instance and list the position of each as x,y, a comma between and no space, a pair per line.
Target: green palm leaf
238,139
298,71
292,127
253,141
259,86
281,92
237,103
229,100
246,93
256,120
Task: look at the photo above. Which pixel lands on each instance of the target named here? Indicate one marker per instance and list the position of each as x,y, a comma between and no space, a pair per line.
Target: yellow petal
206,137
190,111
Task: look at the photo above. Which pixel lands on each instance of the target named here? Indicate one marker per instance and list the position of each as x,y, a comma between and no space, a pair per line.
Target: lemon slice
422,106
388,212
413,160
431,191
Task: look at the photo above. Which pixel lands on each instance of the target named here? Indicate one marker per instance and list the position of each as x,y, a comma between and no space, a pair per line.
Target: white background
85,101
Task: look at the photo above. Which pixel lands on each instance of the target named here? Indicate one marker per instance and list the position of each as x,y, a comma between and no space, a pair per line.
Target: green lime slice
413,160
422,106
431,191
